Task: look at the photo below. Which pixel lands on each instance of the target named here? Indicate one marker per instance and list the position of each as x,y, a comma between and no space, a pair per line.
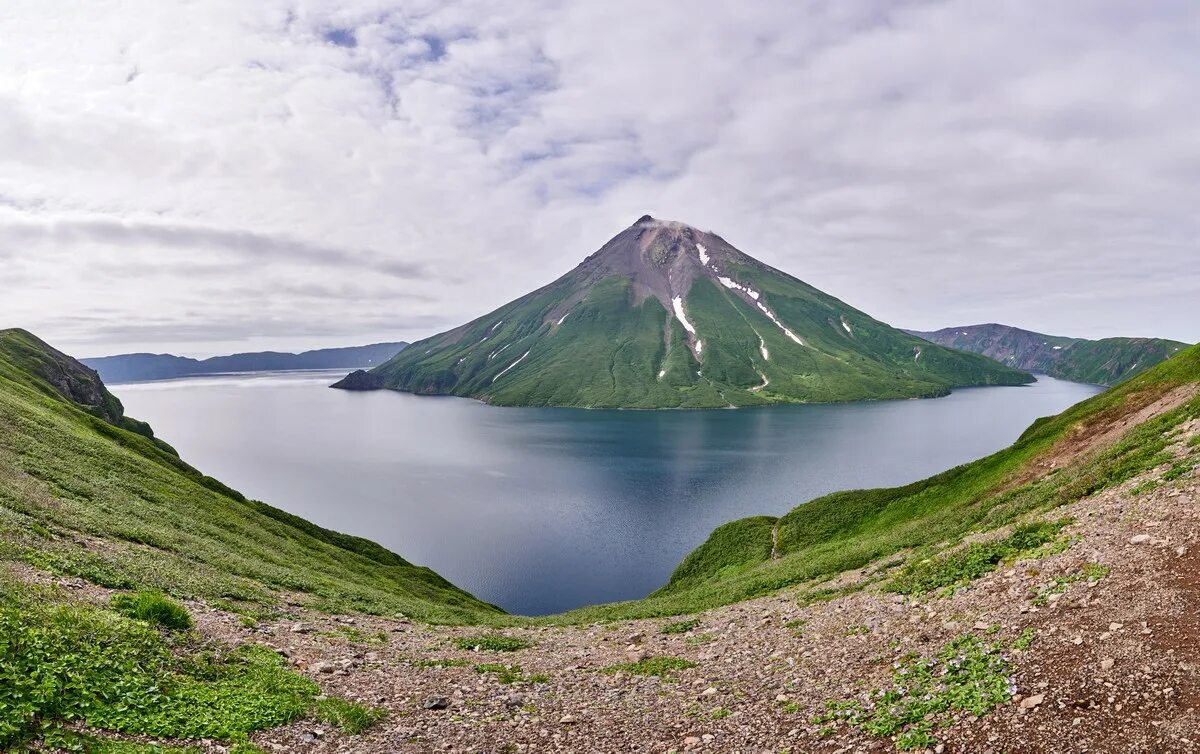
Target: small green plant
505,674
720,713
679,627
358,636
353,718
857,630
1144,487
949,571
440,663
698,639
662,667
491,643
1025,640
155,608
968,675
1178,470
1089,572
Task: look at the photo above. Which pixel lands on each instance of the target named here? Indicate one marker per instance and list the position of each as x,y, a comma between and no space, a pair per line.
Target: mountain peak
666,315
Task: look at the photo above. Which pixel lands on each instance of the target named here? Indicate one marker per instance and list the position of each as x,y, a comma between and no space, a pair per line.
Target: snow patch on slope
510,366
677,304
771,316
703,254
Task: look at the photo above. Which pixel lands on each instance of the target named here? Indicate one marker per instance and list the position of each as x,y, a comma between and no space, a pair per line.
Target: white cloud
199,166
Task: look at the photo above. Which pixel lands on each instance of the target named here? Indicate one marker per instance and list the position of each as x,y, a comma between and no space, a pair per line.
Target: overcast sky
205,176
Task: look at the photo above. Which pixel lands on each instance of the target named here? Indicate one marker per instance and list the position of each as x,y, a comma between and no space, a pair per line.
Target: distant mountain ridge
668,316
1099,362
139,367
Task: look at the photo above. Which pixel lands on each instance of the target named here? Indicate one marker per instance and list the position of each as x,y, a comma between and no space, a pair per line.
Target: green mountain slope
81,494
665,316
1095,444
1098,362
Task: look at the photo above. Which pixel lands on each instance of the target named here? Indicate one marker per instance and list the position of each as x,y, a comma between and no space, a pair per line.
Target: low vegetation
69,475
679,627
63,662
662,667
968,675
946,572
352,717
491,643
155,608
509,674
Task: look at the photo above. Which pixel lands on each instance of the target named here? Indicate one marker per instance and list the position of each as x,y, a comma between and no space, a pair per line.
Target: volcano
668,316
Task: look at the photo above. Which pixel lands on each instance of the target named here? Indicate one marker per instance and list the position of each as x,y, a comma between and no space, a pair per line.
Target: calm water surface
539,510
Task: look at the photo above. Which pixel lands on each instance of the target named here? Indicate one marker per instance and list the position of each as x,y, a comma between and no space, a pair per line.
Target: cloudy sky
201,176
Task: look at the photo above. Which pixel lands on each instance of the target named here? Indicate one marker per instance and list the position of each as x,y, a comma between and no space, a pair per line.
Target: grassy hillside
1058,459
1111,360
1097,362
83,495
667,316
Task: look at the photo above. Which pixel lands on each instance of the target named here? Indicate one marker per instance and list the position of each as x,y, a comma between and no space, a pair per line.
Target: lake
540,510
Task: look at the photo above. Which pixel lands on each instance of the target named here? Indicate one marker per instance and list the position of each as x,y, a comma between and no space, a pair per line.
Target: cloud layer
197,177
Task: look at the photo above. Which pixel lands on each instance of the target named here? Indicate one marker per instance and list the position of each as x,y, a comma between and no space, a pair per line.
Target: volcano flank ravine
667,316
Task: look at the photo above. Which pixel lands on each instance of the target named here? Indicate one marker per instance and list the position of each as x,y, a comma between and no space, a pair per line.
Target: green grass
69,475
1089,572
440,663
949,571
62,662
509,674
351,717
1025,640
661,667
491,643
154,608
967,676
679,627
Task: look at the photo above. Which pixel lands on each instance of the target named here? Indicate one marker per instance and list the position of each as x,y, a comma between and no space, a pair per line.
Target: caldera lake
540,510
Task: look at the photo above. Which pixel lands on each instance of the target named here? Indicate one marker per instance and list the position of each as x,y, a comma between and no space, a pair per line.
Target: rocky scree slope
1097,362
665,315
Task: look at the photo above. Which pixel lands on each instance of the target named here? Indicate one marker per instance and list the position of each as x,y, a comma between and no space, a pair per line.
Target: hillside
668,316
1097,362
81,495
137,367
1041,599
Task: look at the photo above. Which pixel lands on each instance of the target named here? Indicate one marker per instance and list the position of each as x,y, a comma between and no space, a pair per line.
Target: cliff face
66,376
